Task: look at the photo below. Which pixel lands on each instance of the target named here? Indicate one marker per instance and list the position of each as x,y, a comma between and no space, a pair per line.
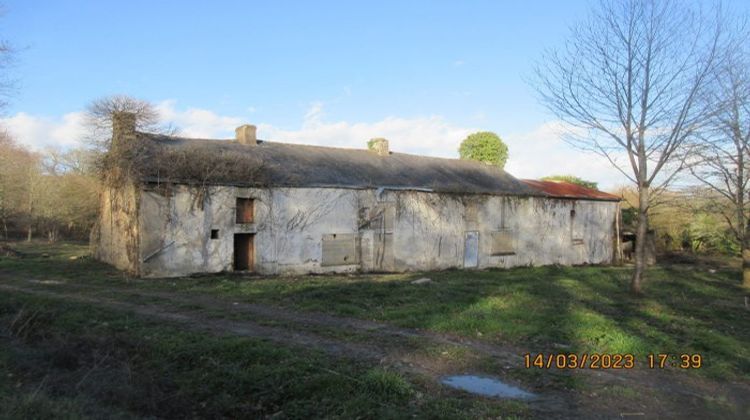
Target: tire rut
380,353
193,320
318,319
378,349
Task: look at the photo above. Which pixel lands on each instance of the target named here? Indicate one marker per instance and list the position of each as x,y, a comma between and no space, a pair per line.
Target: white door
471,250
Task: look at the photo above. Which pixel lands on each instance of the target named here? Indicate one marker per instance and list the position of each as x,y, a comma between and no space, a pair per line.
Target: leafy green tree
573,180
484,146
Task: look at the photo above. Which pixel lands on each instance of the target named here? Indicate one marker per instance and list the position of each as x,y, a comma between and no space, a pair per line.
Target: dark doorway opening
244,252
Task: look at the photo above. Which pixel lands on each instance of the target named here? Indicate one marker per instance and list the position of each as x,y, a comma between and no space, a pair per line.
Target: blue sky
424,73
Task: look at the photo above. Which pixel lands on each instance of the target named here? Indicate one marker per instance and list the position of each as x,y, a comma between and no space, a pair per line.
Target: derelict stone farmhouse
205,206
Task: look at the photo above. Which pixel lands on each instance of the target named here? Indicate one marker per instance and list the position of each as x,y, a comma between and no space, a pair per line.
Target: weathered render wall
288,227
433,231
115,235
315,230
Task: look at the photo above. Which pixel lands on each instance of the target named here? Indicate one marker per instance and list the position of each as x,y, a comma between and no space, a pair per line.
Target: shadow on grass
578,309
686,309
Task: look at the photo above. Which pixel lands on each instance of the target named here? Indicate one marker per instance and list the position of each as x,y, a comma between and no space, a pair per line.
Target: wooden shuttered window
245,210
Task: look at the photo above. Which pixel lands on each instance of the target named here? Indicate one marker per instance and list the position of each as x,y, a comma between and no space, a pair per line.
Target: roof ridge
318,146
275,163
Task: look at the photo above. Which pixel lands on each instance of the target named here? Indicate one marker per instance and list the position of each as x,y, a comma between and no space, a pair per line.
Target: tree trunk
640,240
28,234
52,235
746,268
743,227
746,257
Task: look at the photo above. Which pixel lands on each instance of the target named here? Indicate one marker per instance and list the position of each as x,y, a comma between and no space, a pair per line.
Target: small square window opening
214,233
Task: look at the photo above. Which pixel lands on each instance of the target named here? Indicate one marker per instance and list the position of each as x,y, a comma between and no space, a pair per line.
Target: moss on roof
185,160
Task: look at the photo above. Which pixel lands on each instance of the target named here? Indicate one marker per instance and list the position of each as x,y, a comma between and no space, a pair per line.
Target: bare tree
100,113
15,162
628,82
723,157
7,58
7,83
78,160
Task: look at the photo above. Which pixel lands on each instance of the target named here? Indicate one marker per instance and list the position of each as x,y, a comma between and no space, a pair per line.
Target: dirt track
384,344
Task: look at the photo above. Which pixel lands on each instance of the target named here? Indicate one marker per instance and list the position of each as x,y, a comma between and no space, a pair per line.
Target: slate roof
295,165
561,189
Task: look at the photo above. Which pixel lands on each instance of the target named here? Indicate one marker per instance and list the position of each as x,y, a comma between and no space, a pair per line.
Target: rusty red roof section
561,189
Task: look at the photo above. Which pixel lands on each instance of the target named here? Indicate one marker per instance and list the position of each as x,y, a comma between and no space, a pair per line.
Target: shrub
486,147
573,180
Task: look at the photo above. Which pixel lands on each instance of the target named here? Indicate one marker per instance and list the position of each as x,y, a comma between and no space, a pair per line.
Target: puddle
486,386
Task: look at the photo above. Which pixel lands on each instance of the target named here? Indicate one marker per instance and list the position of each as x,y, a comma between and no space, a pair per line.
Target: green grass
686,308
72,360
64,360
387,384
581,309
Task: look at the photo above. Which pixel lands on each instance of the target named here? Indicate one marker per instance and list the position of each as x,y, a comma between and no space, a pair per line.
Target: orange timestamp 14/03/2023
609,361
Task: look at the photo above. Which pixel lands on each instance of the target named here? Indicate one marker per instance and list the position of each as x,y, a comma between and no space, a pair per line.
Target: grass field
583,309
68,361
688,308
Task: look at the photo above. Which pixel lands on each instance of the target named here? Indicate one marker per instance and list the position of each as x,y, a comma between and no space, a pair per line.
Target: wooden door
244,252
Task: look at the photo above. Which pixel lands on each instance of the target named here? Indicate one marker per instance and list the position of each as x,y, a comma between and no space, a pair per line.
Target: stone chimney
379,146
246,134
123,128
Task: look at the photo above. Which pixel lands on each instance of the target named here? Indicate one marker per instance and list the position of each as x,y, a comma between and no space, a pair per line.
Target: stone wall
114,238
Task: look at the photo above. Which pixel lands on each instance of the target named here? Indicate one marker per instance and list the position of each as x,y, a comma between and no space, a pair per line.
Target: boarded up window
576,228
245,208
502,243
471,212
340,249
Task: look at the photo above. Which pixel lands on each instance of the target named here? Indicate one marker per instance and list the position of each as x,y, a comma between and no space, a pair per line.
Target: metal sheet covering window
340,249
502,243
576,228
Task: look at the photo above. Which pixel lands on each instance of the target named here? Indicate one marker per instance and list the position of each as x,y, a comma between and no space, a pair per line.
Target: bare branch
630,78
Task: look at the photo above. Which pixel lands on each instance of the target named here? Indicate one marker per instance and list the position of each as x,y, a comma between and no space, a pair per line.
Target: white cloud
40,132
196,122
543,152
432,136
533,154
